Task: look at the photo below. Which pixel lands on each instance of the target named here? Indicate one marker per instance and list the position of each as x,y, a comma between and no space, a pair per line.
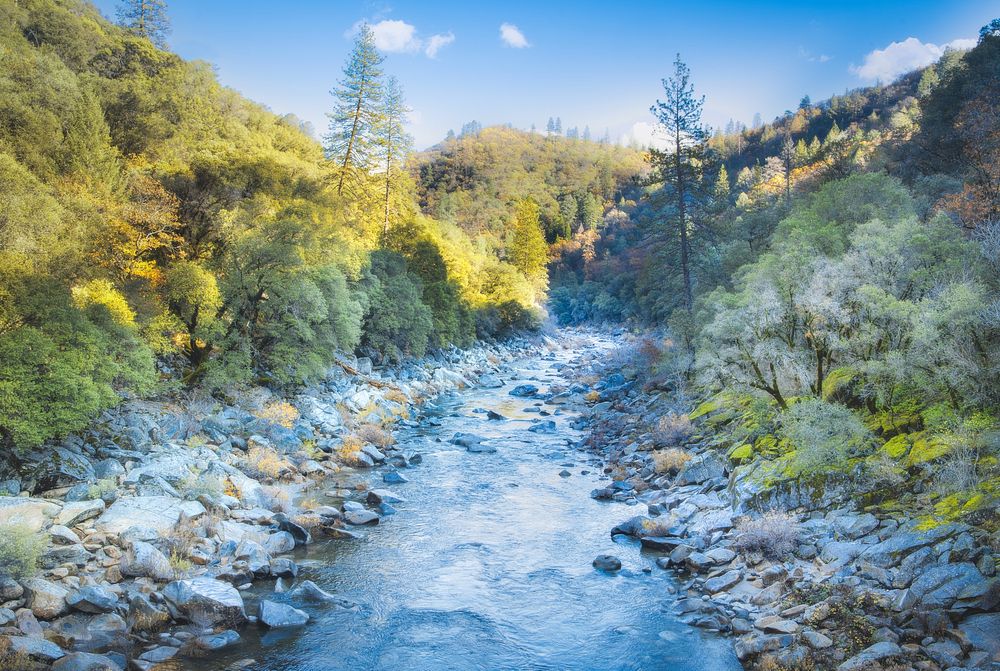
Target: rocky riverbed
798,572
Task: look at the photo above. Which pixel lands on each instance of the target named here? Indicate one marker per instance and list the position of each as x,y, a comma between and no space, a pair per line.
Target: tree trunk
350,141
682,222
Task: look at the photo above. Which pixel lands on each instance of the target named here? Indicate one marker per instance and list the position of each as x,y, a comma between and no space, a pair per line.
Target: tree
788,162
590,211
586,133
680,117
805,103
528,251
568,213
394,142
757,121
357,111
146,18
557,127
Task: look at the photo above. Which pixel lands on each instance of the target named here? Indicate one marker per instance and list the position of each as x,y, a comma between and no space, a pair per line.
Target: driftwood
351,370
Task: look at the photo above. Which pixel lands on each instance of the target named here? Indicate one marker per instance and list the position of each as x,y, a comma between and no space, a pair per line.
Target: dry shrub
774,534
12,660
279,412
396,396
193,486
673,429
593,396
375,435
265,462
671,460
349,448
648,352
656,527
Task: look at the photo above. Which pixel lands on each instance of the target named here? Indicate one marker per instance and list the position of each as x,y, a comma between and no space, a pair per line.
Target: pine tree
568,213
788,162
805,103
721,190
586,133
357,111
146,18
757,122
528,251
680,117
590,211
550,127
558,126
394,142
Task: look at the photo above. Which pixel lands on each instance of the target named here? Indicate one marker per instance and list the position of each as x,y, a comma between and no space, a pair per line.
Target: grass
375,435
670,460
20,552
102,487
11,660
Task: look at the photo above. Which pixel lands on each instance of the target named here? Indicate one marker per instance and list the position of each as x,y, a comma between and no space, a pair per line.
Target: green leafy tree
358,110
528,251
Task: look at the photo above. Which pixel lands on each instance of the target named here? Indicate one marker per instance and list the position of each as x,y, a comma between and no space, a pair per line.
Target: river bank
801,572
163,512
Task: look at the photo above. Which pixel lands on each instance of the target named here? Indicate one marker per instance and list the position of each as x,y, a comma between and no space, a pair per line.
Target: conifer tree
394,142
357,111
586,133
528,251
146,18
679,116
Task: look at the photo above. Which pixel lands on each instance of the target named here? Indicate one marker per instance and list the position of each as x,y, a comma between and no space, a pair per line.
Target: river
487,562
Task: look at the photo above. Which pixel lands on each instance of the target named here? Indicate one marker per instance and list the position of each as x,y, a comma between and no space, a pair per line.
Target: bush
349,448
396,321
673,429
375,435
823,434
265,462
20,551
775,534
670,460
278,412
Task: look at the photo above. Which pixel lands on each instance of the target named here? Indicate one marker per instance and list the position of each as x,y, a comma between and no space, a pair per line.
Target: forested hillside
831,282
157,229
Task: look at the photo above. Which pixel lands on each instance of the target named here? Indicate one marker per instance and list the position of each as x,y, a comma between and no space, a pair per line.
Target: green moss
898,446
742,452
926,448
838,380
706,408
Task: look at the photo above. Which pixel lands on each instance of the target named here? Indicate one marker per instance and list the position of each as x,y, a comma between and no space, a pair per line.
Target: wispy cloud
438,42
805,55
901,57
512,36
394,36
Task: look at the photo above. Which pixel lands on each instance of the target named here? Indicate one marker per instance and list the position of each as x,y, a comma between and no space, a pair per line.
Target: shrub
396,322
279,412
102,488
375,435
349,448
20,551
277,499
823,434
193,486
265,462
670,460
774,534
13,660
673,429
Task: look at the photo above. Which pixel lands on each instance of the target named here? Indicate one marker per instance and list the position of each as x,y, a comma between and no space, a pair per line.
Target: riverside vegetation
205,313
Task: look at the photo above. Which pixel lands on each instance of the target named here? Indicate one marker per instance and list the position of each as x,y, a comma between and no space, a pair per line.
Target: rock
275,615
524,390
10,589
218,641
548,426
46,599
374,453
607,563
940,586
662,543
145,561
634,526
36,648
706,466
28,624
393,478
283,568
279,543
90,633
816,640
841,552
308,590
855,526
983,631
871,654
721,555
23,511
377,496
723,582
60,535
776,625
298,532
494,416
145,616
466,440
156,512
206,602
93,599
108,468
490,381
79,511
905,540
361,517
159,654
85,661
564,473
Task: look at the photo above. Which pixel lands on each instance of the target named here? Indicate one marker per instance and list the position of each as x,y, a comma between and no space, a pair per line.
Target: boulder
393,478
874,653
23,511
209,642
145,616
940,586
36,648
700,468
85,661
361,517
89,633
607,563
377,496
93,599
307,590
206,602
547,426
279,543
46,599
983,631
299,533
723,582
524,391
156,512
145,561
277,615
855,526
79,511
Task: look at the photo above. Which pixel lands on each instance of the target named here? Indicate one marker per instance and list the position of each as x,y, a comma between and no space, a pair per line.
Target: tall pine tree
357,111
146,18
679,115
394,142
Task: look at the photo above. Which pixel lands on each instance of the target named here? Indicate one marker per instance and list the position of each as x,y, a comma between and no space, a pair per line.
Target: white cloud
438,42
394,36
901,57
805,55
645,134
512,36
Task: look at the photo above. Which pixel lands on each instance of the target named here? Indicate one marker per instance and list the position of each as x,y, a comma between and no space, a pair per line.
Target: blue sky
596,64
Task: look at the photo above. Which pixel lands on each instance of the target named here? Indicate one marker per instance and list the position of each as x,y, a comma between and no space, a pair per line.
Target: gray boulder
307,590
607,563
93,599
145,561
205,601
79,511
85,661
156,512
524,391
36,648
277,615
707,466
46,599
873,653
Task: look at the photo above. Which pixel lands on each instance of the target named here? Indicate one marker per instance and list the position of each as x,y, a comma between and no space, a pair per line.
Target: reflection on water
487,564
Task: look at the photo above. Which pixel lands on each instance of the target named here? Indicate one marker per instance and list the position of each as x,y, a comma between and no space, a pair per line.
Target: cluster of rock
854,590
156,519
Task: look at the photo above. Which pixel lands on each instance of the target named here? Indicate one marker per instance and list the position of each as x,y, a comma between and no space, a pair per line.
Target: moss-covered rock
926,448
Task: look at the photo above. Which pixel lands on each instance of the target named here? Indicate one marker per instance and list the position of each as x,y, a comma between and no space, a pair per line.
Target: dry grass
396,396
11,660
673,429
592,396
774,534
265,462
671,460
349,448
279,412
374,435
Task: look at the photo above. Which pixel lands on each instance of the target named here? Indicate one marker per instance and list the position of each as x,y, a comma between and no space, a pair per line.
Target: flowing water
487,563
